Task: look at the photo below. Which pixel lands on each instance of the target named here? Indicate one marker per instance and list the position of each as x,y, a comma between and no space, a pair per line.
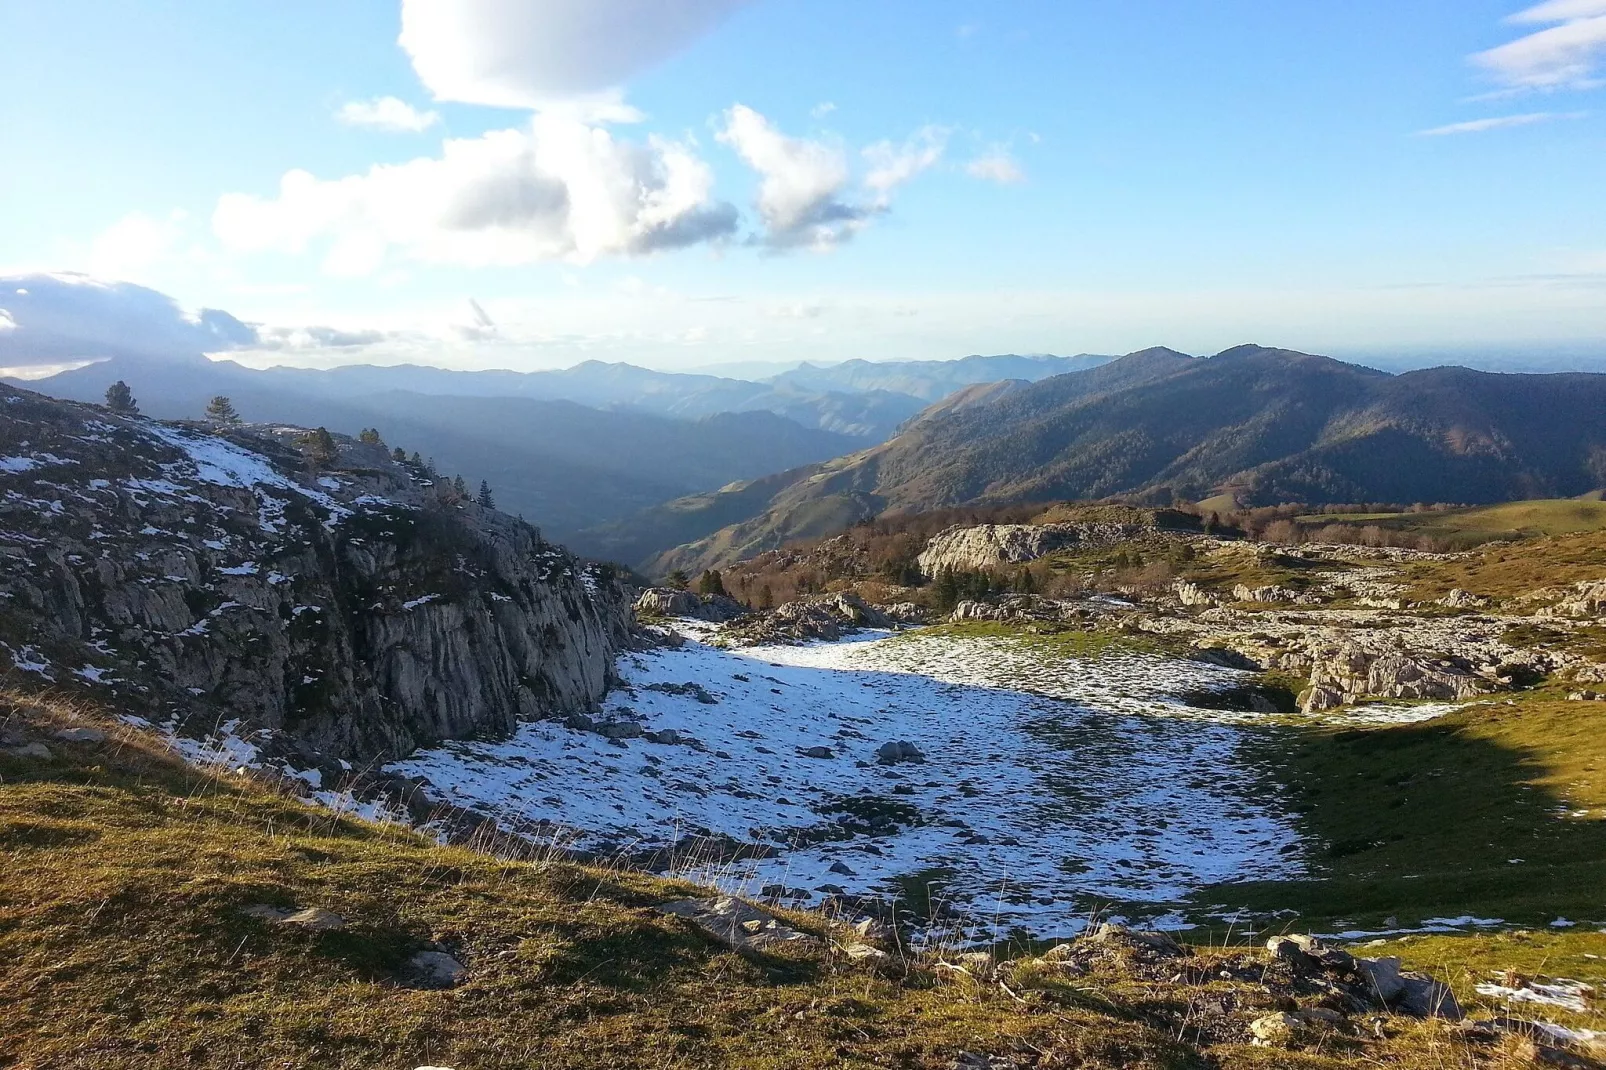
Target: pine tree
398,455
319,447
221,411
370,437
485,499
121,399
678,580
945,592
711,583
766,597
459,487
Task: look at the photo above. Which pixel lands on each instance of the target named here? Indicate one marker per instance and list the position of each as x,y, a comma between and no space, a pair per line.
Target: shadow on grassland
1495,811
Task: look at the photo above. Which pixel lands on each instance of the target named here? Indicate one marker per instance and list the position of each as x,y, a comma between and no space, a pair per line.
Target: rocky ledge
345,607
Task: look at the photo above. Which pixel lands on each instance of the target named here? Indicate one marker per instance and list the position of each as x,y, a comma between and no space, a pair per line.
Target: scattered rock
1116,934
816,752
970,1060
31,750
436,969
81,735
1277,1031
734,922
1273,594
312,919
843,869
1459,599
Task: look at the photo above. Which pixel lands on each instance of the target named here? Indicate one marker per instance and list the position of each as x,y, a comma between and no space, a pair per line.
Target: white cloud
557,189
822,109
801,182
807,195
1562,56
387,113
6,322
997,164
127,248
534,53
893,165
1478,126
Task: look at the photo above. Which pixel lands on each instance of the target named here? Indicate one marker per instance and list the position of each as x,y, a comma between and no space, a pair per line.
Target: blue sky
688,183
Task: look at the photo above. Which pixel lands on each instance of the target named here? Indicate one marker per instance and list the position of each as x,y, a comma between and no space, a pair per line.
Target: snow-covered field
1049,787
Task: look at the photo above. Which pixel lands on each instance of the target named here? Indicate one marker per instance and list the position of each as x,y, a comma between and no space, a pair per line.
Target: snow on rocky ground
1050,787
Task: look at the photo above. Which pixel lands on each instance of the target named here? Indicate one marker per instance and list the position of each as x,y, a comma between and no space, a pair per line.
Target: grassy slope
1424,820
1512,570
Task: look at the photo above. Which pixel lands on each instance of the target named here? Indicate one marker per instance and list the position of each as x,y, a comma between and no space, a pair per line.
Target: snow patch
1049,786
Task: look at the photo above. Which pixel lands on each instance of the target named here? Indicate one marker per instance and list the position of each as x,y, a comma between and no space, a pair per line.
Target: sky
684,183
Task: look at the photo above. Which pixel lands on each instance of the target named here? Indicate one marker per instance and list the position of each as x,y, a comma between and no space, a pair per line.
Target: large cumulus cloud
62,316
534,53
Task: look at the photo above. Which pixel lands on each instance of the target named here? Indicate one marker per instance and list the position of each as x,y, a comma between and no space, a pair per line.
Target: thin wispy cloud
1567,54
1499,122
386,113
998,165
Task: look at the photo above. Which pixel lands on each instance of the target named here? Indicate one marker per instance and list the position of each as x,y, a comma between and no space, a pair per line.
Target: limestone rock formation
673,602
344,604
826,617
1345,674
990,546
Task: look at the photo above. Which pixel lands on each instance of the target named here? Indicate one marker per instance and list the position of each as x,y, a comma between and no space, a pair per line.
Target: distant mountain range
1262,425
570,449
562,465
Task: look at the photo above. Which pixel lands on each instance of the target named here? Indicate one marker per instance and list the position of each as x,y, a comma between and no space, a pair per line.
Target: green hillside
1264,426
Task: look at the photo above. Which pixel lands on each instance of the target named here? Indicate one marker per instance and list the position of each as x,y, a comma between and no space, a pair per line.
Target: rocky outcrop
990,546
355,610
1274,594
1344,674
1581,601
826,617
673,602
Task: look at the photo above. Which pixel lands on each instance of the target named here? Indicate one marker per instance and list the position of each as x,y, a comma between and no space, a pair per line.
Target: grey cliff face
355,609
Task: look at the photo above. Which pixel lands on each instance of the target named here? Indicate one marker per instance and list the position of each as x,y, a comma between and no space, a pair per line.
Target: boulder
899,751
436,969
1382,977
36,751
816,752
1422,996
